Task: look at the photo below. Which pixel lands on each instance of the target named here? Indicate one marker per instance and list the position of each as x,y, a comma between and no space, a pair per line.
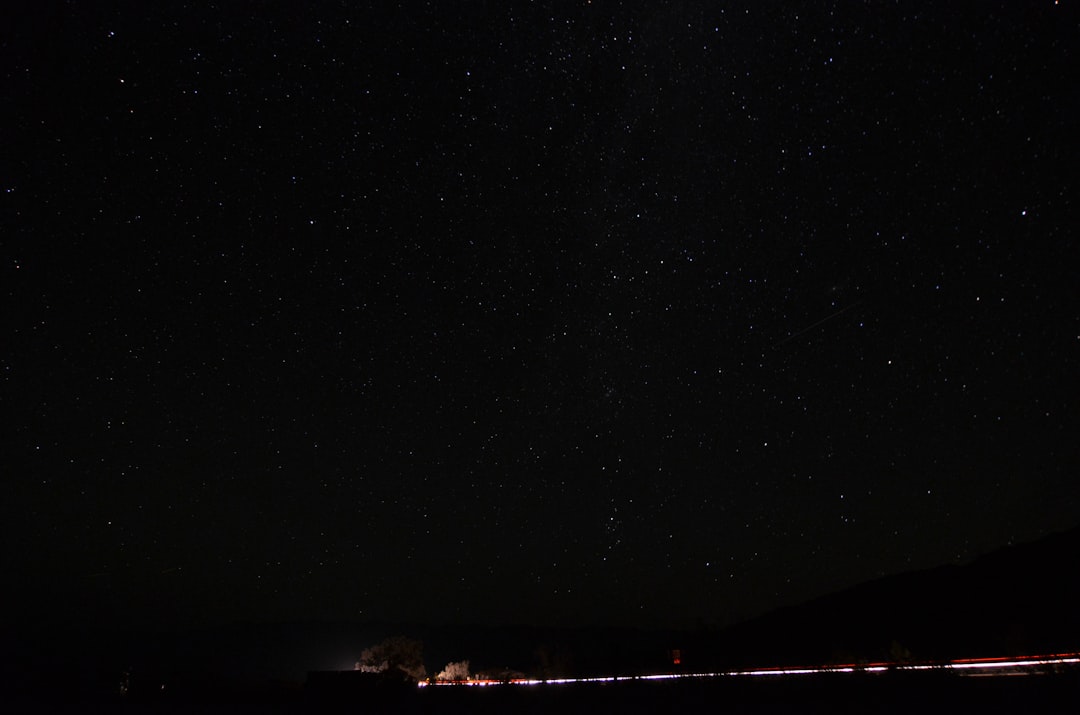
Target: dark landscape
539,356
1013,602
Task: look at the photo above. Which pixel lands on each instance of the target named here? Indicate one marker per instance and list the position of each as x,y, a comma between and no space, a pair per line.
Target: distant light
1023,663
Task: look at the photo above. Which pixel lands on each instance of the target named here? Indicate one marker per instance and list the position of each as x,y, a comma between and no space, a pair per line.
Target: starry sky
645,314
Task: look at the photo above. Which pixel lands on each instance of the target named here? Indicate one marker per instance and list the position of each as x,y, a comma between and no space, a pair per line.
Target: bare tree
454,671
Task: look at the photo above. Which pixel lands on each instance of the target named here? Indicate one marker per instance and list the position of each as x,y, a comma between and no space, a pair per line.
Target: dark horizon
920,632
559,314
49,614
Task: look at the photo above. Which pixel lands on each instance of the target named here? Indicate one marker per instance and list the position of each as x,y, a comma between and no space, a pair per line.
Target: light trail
1018,665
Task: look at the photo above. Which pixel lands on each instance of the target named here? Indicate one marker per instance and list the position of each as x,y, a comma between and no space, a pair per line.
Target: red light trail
1019,665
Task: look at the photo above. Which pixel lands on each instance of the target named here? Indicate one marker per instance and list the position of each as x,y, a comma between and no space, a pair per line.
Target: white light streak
1017,665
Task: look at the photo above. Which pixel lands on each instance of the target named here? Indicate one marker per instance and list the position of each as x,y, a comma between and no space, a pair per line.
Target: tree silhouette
393,655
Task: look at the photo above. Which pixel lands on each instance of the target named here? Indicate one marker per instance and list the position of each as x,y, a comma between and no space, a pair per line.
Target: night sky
638,313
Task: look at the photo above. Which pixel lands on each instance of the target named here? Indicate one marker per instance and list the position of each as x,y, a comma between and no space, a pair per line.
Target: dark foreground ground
889,693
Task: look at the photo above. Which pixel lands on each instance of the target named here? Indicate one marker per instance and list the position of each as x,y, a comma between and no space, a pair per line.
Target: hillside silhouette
1020,599
1013,601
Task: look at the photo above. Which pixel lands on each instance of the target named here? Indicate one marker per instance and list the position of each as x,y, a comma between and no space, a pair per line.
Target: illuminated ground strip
1019,664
